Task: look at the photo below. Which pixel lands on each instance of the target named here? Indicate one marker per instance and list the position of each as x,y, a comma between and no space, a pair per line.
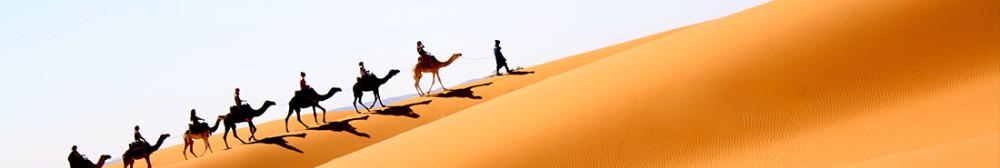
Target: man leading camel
501,61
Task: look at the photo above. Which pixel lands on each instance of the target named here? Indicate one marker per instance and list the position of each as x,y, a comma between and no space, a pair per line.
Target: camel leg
225,136
316,120
208,146
429,89
253,131
441,82
378,97
290,110
299,118
416,82
355,103
189,145
237,136
321,109
148,165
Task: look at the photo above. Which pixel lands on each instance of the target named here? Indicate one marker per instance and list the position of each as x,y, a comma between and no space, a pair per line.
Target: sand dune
786,84
335,140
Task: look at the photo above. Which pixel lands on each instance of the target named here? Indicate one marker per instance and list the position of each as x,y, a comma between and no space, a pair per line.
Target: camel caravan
305,97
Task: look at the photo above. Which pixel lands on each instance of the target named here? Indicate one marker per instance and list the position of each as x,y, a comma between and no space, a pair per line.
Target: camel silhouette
370,84
201,131
306,99
141,150
431,66
245,113
76,160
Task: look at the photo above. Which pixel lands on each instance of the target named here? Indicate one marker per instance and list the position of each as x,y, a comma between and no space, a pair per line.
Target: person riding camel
302,82
75,158
364,72
425,57
138,137
195,122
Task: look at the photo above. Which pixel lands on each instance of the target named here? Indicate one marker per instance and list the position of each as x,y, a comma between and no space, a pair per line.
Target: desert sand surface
786,84
276,148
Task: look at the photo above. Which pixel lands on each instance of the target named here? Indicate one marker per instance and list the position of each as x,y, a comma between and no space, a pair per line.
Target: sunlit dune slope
786,84
334,140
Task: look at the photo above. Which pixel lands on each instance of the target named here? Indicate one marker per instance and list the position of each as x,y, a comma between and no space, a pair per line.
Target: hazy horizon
84,72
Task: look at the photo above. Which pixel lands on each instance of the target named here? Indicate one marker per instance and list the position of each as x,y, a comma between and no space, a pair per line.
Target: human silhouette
302,81
138,136
195,120
364,72
424,56
76,160
501,61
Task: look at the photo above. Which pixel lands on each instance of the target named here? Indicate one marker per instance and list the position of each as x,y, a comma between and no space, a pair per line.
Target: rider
424,55
302,81
75,157
138,137
236,97
195,119
364,72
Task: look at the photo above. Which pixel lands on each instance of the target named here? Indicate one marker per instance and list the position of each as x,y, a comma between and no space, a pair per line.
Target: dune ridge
785,84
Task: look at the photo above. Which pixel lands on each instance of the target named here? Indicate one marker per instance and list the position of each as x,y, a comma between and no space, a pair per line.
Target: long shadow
343,125
403,110
463,92
280,141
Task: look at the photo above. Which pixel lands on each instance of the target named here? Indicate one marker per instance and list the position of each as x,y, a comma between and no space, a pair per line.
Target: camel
141,150
306,99
370,84
430,67
244,113
79,161
202,132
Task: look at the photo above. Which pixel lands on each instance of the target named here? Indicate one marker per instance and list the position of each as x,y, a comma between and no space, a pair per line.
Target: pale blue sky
85,72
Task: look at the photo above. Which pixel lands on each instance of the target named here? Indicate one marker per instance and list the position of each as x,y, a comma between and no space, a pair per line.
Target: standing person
501,61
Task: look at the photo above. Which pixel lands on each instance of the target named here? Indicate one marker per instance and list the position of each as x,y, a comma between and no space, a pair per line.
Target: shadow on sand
403,110
343,125
463,92
519,72
280,141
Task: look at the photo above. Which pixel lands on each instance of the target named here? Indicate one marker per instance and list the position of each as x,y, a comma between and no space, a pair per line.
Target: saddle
138,146
198,128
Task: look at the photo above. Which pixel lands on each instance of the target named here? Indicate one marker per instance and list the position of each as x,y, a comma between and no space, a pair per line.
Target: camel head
335,90
452,59
269,103
105,157
393,72
164,136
